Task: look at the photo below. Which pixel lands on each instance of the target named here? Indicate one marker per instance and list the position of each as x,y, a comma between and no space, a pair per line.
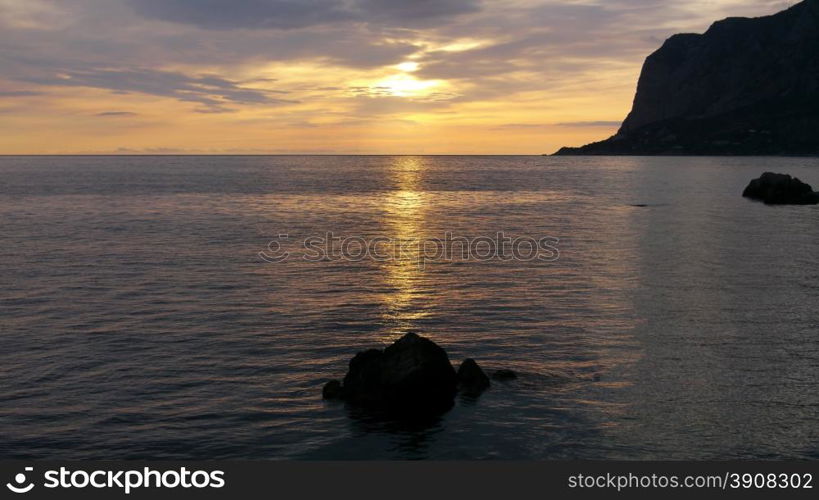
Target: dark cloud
251,14
523,126
399,12
18,93
552,38
117,113
214,93
538,126
97,34
293,14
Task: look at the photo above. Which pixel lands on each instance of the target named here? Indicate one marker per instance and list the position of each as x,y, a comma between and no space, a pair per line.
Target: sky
329,76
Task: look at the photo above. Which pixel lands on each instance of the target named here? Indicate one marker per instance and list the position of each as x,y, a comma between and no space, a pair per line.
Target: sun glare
407,86
408,66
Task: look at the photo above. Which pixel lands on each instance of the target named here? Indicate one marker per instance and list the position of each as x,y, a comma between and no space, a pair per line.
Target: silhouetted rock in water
332,390
472,381
504,375
781,189
413,374
745,87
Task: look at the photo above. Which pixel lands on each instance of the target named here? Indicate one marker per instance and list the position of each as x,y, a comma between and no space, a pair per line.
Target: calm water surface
137,319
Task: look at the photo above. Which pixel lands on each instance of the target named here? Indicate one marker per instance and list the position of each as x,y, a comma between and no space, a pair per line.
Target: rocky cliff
745,87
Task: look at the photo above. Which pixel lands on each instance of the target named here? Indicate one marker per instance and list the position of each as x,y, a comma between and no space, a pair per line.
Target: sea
192,307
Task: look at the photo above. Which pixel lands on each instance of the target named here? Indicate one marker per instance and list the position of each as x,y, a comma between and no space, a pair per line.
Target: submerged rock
412,374
504,375
781,189
472,381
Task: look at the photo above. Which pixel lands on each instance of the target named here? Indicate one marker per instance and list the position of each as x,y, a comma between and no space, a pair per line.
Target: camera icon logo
20,480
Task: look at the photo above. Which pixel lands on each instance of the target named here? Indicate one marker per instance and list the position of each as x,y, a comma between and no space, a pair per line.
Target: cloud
537,126
548,37
294,14
18,93
248,14
117,113
405,12
374,105
214,93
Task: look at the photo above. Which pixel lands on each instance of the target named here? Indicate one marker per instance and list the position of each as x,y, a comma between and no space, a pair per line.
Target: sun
408,66
407,86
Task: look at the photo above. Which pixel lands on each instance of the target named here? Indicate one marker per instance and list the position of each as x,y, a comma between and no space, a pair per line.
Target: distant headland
745,87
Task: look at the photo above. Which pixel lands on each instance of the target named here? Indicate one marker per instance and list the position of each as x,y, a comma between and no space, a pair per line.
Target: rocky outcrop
781,189
412,376
745,87
414,372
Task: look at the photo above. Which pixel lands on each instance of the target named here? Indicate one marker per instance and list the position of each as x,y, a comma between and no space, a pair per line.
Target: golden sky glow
328,76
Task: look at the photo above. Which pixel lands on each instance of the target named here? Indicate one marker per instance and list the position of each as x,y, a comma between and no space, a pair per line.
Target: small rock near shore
472,381
780,189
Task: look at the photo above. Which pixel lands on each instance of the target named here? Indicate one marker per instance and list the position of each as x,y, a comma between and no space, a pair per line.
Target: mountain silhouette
744,87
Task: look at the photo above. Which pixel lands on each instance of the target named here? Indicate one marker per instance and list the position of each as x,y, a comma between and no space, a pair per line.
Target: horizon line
267,154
